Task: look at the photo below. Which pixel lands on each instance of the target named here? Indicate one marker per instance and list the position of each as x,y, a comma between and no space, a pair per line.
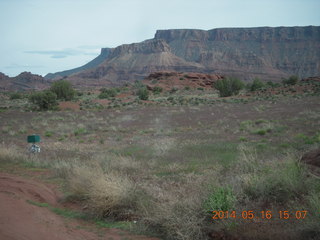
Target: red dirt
103,102
19,219
124,95
69,106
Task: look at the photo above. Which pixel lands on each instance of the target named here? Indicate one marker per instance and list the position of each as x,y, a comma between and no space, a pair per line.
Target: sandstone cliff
264,52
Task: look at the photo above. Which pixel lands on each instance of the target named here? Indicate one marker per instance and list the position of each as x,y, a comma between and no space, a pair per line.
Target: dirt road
22,220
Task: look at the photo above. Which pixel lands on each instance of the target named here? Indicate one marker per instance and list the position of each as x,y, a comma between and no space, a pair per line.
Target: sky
43,36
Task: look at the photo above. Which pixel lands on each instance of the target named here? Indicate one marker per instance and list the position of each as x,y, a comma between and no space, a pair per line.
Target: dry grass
106,194
161,174
175,209
11,154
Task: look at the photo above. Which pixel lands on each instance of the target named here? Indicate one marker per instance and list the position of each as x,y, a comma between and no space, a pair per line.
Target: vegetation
107,93
292,80
228,86
257,84
166,172
157,90
221,199
143,93
45,100
16,95
63,90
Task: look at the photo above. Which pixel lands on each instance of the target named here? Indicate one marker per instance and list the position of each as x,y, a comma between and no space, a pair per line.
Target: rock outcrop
264,52
180,80
24,81
130,62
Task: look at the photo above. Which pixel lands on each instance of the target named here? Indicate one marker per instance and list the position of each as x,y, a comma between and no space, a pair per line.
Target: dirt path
21,220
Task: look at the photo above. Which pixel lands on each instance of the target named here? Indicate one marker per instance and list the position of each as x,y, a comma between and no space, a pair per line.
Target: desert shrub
221,199
256,85
308,139
228,86
45,100
174,209
173,90
143,93
280,185
15,95
107,93
10,154
273,84
80,131
292,80
48,133
106,194
157,90
63,90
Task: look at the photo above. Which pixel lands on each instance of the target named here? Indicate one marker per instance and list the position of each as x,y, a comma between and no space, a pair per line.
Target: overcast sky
43,36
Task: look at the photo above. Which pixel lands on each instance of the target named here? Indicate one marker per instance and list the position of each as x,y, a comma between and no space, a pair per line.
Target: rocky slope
264,52
24,81
180,80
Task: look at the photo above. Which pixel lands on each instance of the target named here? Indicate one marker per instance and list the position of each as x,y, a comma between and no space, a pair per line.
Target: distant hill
24,81
265,52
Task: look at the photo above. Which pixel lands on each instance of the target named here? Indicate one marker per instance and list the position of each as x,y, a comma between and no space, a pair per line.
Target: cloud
18,66
82,50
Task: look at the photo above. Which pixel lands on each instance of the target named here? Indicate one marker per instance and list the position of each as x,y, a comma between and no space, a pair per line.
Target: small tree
63,89
256,85
45,100
228,86
143,93
292,80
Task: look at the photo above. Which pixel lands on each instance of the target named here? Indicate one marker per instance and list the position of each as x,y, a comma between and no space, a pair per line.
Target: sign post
34,139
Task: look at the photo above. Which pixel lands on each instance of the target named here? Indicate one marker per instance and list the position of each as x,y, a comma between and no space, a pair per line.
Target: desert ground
164,168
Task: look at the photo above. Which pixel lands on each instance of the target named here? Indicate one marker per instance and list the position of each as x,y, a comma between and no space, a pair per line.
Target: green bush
256,85
143,93
15,95
157,90
107,93
221,199
292,80
45,100
273,85
63,90
228,86
48,133
280,184
174,90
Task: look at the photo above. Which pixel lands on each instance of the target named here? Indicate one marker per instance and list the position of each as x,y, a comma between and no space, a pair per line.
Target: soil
20,219
69,106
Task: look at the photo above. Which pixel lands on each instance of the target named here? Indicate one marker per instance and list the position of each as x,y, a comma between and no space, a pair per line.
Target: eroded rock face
264,52
24,81
312,158
268,53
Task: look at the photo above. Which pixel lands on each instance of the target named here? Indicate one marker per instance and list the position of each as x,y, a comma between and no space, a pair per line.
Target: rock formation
264,52
24,81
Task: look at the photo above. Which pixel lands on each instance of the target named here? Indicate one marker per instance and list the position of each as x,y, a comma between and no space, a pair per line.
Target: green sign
33,139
